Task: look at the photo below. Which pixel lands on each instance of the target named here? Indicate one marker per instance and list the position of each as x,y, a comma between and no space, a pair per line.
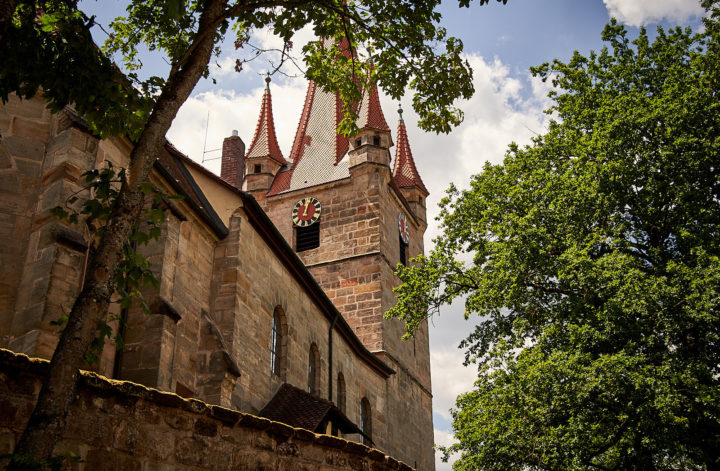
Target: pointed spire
264,143
371,114
404,172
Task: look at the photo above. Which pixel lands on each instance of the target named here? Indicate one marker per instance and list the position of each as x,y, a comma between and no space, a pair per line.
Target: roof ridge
264,143
405,172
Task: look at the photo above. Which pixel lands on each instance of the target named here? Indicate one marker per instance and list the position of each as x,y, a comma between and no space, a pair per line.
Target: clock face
403,228
306,212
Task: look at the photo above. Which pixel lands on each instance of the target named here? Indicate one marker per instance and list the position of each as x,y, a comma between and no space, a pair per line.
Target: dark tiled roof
170,165
298,408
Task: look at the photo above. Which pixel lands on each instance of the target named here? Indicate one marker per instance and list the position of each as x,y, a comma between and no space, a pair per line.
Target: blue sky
501,41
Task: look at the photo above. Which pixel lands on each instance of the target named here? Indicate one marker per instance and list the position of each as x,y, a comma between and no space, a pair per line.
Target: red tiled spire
404,172
371,114
264,143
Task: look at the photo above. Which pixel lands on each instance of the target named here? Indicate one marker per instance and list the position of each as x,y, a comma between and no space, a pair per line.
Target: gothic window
307,238
403,250
341,392
313,370
277,343
366,421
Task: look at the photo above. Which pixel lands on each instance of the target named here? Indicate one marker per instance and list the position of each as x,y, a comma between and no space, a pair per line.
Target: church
273,277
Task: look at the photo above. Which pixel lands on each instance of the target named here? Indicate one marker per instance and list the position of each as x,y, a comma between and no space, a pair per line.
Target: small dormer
264,158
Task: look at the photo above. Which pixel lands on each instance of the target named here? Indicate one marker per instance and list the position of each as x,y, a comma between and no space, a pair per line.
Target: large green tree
591,260
46,47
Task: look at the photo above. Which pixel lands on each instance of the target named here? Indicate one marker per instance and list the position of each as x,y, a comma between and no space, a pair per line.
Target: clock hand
306,208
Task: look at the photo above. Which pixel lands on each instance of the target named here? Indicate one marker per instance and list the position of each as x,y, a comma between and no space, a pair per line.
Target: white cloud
640,12
499,113
229,110
222,66
443,438
449,378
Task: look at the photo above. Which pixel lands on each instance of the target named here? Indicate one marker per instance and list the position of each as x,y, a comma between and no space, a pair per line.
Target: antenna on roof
207,125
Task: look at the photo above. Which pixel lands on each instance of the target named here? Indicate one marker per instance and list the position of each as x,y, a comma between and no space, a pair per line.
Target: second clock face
306,212
403,228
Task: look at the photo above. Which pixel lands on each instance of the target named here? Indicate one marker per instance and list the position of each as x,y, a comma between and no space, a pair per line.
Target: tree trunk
49,417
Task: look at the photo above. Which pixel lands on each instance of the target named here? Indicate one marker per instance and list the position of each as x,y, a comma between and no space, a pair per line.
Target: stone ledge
20,364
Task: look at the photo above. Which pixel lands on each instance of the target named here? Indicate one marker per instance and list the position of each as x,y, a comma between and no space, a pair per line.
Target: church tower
352,218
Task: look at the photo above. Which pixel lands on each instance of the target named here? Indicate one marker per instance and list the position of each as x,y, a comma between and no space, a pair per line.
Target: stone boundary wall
123,426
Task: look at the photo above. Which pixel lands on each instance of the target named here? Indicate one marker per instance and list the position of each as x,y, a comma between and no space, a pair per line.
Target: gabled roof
298,408
404,172
264,143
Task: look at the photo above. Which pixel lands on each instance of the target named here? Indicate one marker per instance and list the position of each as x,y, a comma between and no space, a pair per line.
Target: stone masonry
122,426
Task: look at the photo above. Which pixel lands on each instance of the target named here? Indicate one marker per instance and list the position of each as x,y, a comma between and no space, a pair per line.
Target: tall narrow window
307,238
277,343
403,250
341,392
313,370
366,421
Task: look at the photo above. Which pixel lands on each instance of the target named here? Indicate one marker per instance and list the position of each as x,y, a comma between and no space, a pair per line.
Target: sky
501,43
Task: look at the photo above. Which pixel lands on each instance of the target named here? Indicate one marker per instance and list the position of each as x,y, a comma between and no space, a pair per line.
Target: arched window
366,421
278,343
341,392
313,370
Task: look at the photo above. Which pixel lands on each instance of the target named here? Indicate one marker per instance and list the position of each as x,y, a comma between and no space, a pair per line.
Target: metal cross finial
267,81
400,112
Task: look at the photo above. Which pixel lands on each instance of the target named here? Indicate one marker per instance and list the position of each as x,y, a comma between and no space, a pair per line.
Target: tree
46,47
592,260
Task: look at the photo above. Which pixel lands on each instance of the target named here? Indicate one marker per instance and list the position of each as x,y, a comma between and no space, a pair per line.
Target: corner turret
405,173
264,158
373,141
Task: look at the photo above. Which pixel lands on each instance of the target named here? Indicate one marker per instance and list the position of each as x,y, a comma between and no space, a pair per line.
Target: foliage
49,48
53,51
101,190
592,260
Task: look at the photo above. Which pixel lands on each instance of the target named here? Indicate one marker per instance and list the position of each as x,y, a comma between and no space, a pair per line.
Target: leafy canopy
399,44
591,260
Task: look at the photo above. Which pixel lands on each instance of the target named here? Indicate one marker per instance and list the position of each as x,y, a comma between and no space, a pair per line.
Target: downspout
330,356
122,327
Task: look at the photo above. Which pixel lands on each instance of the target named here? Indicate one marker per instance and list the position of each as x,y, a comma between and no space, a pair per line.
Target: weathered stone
237,281
111,461
205,428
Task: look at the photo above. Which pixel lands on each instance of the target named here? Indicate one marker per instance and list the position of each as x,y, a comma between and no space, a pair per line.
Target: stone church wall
211,334
243,260
355,262
122,426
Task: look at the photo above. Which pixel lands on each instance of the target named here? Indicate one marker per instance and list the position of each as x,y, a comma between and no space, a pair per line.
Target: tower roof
264,143
404,172
318,150
370,114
